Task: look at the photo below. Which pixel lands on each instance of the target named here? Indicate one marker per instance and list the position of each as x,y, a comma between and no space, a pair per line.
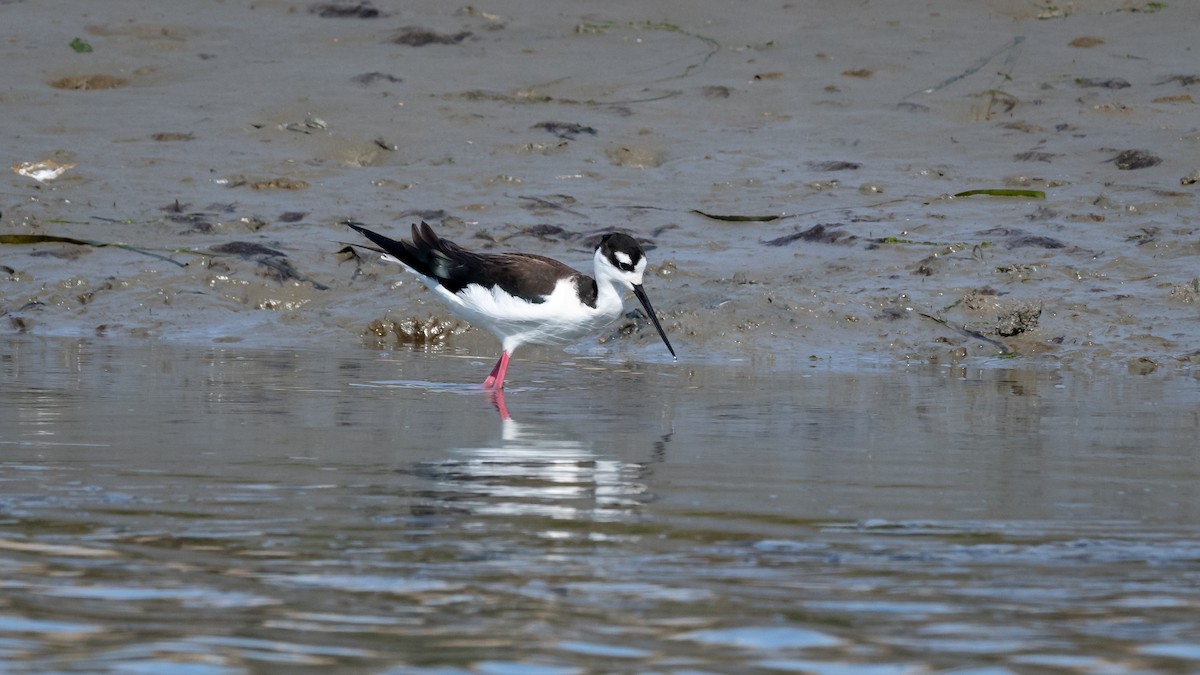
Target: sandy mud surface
180,171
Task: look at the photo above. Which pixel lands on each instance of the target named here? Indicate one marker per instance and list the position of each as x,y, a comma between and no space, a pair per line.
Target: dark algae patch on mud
421,37
1132,160
346,10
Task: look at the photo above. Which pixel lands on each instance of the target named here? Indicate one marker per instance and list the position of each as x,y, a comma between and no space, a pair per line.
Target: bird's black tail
403,251
431,256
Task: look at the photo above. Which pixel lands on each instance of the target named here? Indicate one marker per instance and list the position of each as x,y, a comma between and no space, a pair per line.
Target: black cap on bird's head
626,261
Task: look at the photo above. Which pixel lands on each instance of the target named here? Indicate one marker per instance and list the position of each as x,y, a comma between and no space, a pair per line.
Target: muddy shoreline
214,152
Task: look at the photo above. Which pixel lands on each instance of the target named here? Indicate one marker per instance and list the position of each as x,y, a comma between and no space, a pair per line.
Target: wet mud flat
181,173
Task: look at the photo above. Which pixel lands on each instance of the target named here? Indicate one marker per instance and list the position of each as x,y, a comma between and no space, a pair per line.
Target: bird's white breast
560,317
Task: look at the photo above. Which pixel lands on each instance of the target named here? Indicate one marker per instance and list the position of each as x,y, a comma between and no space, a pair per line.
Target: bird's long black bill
641,296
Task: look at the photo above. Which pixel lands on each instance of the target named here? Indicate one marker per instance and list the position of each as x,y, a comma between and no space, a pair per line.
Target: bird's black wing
524,275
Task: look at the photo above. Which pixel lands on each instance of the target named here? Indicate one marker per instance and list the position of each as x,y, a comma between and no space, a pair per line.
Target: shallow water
176,509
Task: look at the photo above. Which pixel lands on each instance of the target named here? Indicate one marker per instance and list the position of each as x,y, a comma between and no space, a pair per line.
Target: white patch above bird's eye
623,257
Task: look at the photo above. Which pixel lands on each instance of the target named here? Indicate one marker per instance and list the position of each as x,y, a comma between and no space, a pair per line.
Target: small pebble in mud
1086,42
1130,160
1191,178
419,37
715,91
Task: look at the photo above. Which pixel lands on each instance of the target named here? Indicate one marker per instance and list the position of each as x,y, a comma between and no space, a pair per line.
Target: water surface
179,509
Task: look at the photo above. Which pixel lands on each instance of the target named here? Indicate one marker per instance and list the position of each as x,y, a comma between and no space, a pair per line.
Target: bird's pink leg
496,379
490,382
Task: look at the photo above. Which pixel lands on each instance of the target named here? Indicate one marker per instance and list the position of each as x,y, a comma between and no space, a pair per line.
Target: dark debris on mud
269,263
345,10
818,234
1183,80
1018,238
1102,83
1035,156
1131,160
413,36
375,77
565,130
835,165
245,249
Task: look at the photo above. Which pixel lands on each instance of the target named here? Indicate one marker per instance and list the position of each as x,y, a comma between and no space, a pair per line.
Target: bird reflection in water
536,470
496,397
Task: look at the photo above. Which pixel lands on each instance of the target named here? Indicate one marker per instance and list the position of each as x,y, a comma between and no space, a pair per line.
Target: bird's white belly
559,319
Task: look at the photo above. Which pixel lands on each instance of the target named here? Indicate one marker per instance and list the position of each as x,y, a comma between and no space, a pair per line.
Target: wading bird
524,298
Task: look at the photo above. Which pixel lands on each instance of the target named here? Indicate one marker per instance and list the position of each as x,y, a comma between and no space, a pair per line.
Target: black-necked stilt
524,298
